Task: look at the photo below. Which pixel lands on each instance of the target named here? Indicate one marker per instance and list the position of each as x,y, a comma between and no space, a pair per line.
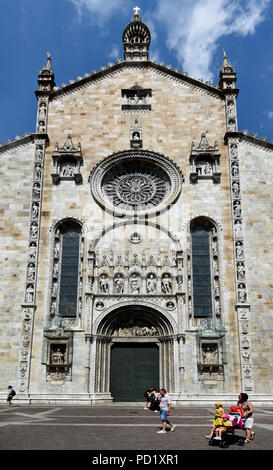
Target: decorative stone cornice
251,139
99,75
28,138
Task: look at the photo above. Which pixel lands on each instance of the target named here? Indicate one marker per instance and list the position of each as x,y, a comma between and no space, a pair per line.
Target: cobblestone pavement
120,427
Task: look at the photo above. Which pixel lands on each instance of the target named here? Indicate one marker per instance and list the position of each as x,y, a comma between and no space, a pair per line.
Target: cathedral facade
136,240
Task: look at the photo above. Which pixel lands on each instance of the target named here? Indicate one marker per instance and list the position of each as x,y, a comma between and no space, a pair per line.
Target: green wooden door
134,368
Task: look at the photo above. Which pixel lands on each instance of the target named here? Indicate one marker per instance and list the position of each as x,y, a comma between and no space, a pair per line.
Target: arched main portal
134,350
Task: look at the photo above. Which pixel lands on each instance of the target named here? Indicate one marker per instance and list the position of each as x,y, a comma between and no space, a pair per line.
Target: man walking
165,405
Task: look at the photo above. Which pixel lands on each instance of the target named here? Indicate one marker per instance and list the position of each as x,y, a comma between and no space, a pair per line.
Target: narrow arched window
66,267
201,270
68,298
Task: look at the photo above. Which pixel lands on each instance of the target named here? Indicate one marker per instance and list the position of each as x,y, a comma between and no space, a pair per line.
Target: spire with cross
136,39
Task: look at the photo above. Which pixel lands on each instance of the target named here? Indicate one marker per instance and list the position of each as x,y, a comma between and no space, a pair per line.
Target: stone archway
146,337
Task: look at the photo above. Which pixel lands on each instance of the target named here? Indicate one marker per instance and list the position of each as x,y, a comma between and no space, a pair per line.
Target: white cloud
114,54
270,115
100,10
195,26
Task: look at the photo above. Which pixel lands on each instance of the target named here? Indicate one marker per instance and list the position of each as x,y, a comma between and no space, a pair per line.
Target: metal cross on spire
136,10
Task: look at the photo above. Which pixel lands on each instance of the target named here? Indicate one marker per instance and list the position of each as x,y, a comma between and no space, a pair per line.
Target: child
148,395
11,394
220,429
219,411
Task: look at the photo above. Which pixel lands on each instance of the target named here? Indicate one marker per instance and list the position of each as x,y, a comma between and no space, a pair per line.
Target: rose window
132,182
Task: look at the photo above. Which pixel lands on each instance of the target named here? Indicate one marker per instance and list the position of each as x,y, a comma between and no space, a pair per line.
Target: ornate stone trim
28,305
242,306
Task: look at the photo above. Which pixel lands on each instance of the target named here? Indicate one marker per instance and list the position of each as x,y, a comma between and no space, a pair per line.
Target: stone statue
135,284
166,284
42,112
210,356
31,272
151,284
240,272
35,211
32,251
103,283
68,170
241,293
38,172
57,357
235,169
29,293
119,284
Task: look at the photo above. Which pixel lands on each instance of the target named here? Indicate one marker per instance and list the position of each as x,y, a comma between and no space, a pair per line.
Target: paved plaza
118,427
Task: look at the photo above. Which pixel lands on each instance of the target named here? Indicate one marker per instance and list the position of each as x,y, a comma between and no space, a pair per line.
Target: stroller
228,436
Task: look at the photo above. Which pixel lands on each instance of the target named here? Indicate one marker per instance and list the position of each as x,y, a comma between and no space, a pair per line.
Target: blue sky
83,35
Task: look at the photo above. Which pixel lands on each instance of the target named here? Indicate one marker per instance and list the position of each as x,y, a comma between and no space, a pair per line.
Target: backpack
13,393
237,409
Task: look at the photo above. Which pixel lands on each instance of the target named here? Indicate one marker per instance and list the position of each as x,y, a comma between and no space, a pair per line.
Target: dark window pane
69,273
201,272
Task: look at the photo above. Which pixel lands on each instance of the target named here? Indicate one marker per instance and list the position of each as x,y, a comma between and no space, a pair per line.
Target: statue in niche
56,251
53,308
234,151
34,230
239,250
216,269
29,293
119,284
38,172
55,270
135,284
237,209
31,272
238,228
241,293
68,170
42,127
39,153
210,355
35,210
54,289
103,283
166,284
231,126
214,248
235,169
36,191
151,284
57,357
136,135
203,168
240,272
236,189
42,112
216,289
230,109
32,251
